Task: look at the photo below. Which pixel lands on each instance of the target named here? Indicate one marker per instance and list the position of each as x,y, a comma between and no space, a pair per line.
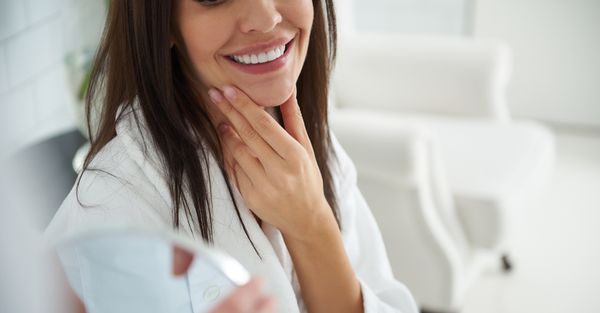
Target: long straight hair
136,63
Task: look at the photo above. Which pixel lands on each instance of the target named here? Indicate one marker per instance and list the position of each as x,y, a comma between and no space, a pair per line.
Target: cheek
203,44
301,13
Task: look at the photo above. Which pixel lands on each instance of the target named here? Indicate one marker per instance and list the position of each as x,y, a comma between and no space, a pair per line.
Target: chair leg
507,263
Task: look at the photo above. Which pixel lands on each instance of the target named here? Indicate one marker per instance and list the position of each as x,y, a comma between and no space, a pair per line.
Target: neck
274,112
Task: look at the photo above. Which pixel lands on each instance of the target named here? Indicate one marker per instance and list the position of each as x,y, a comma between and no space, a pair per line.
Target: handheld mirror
132,270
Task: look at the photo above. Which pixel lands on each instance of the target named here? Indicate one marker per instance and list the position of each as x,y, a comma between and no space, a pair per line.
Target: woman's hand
274,168
247,299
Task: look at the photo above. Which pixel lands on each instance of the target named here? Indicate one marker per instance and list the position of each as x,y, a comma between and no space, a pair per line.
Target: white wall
35,100
556,45
412,17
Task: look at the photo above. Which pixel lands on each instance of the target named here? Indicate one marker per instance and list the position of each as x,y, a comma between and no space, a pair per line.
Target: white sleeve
381,292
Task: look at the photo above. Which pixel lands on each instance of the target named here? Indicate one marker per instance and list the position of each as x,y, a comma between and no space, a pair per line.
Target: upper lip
263,47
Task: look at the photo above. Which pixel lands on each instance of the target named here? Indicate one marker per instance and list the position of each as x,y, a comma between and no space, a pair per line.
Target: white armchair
439,159
459,77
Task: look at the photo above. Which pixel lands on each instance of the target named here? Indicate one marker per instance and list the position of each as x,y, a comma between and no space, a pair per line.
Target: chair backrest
466,77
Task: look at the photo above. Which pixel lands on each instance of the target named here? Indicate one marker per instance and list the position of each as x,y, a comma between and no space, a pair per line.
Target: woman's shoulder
112,191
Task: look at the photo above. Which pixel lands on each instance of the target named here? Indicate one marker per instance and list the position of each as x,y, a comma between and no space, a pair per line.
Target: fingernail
223,128
230,93
215,96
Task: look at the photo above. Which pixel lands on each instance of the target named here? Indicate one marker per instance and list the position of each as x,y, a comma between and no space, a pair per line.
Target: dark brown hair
136,63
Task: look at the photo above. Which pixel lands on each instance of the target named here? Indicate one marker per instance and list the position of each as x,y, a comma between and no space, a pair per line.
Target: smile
270,60
263,57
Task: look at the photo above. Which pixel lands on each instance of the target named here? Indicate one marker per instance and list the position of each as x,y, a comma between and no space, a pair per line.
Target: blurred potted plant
79,64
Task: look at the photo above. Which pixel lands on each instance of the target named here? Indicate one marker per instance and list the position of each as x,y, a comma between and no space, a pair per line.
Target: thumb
182,259
293,121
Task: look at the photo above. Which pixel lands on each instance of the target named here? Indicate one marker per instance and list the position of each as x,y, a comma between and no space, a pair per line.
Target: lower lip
264,68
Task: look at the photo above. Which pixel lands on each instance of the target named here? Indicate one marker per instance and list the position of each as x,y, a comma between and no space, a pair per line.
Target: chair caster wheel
507,263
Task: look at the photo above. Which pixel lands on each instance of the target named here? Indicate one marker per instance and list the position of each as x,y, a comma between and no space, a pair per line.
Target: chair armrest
379,147
426,75
394,172
484,221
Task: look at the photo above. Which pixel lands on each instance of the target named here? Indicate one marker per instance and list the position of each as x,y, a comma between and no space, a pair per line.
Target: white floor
557,246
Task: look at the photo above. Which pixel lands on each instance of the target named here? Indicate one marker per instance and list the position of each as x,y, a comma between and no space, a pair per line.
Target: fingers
256,127
182,259
247,299
243,181
241,154
293,121
70,299
241,300
266,305
244,128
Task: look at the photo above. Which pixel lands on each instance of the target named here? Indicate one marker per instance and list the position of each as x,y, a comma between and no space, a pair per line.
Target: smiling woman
214,124
215,33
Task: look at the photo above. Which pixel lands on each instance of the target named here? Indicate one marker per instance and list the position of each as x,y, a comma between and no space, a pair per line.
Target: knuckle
271,192
265,121
296,154
240,103
239,149
248,132
288,181
228,109
293,158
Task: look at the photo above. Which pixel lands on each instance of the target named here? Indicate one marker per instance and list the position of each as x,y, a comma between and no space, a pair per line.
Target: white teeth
263,57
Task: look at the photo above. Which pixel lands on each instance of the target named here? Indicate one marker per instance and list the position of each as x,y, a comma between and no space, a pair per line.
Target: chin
271,96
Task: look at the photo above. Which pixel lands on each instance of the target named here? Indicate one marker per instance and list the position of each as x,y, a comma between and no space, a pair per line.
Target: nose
261,16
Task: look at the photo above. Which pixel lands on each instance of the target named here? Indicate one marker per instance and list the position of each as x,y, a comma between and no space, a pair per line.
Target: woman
213,121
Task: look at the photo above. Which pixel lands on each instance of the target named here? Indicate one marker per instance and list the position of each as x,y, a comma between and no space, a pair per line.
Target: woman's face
258,46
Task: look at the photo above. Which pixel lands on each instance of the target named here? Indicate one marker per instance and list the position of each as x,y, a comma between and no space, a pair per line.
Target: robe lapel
229,235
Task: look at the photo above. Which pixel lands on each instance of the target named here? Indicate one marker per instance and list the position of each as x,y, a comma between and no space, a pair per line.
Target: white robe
134,191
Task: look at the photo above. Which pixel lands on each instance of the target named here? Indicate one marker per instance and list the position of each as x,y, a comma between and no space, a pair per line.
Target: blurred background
479,155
